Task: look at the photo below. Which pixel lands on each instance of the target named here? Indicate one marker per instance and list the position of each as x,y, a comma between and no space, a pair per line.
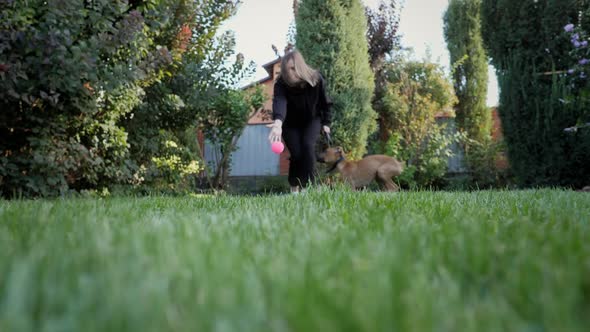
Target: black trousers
301,143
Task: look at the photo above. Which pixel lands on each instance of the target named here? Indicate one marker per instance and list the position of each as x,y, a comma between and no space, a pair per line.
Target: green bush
70,70
203,94
482,158
416,91
88,87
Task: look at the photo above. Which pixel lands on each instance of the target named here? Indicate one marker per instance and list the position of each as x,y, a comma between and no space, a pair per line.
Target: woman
300,107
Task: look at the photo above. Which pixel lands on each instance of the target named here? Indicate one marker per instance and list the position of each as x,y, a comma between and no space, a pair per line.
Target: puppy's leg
385,173
380,182
393,186
390,185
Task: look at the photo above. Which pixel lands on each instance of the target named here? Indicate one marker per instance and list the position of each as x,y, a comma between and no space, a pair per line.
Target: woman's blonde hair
304,71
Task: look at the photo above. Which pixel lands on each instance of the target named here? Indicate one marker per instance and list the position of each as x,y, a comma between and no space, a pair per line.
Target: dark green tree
531,53
331,35
462,29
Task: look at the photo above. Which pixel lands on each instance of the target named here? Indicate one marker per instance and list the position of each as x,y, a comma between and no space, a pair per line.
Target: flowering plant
580,70
580,51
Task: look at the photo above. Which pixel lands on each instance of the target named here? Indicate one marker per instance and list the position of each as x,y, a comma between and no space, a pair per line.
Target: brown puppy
360,173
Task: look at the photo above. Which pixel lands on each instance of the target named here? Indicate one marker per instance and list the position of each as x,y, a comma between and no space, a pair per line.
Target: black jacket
297,106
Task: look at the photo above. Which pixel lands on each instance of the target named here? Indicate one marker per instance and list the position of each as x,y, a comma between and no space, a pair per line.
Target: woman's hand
326,129
276,130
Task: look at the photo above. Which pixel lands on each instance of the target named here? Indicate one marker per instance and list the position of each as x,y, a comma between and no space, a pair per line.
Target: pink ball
277,147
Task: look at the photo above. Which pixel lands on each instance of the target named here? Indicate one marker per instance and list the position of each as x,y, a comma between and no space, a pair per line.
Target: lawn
324,261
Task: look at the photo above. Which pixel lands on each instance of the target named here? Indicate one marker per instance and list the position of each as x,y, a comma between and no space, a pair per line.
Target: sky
258,24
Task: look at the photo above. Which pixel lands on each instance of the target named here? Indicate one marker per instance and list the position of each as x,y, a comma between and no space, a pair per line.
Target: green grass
325,261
